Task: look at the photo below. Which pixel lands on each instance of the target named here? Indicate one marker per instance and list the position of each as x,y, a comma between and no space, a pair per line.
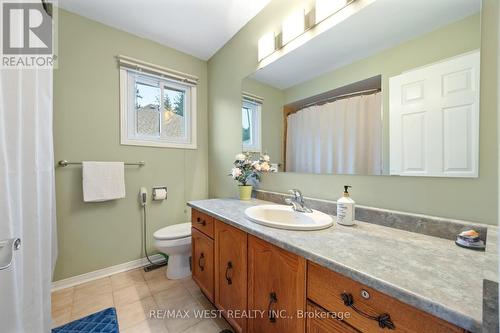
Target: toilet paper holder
158,193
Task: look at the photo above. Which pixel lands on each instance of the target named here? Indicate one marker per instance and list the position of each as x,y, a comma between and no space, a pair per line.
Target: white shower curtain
340,137
27,200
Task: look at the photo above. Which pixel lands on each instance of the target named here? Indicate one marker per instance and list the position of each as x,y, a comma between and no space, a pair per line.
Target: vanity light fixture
326,8
296,24
266,45
293,26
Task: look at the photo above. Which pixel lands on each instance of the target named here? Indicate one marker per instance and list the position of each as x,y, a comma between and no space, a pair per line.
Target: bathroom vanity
277,275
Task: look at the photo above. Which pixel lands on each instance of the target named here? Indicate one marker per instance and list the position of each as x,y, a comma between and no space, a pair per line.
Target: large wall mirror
391,90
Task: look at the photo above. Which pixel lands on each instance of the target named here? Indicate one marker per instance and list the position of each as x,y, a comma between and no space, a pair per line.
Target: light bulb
325,8
266,45
293,26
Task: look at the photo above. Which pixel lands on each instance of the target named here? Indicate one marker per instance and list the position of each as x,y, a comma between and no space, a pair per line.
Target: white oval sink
284,217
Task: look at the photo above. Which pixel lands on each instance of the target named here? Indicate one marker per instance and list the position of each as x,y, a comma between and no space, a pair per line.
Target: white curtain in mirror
27,200
340,137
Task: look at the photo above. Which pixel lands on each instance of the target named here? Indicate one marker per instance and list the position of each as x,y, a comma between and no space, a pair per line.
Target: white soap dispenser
345,208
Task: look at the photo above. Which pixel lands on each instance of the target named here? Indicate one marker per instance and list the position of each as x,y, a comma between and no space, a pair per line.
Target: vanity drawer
203,222
325,288
319,321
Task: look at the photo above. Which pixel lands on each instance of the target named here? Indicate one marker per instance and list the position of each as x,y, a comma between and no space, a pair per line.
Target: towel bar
64,163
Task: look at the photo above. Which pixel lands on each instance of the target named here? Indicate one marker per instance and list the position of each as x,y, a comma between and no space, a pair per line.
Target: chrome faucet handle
298,202
297,195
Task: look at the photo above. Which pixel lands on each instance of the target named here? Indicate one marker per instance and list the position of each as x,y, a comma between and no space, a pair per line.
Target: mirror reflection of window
246,123
250,122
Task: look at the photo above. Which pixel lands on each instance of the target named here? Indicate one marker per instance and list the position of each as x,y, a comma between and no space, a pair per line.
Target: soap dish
479,247
469,239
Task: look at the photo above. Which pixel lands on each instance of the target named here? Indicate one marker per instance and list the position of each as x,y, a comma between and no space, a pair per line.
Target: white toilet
175,240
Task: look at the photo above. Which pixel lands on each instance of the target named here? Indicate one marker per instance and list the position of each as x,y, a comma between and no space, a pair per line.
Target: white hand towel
103,181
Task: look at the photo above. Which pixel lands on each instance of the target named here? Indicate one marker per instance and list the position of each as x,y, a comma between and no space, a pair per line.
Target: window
250,116
156,111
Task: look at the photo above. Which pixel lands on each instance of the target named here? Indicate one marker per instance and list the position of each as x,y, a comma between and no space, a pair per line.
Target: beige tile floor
134,294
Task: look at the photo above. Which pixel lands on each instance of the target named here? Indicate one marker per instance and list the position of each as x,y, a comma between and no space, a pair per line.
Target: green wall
86,127
470,199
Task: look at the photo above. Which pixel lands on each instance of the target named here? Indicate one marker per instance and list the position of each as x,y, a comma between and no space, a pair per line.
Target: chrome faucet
297,202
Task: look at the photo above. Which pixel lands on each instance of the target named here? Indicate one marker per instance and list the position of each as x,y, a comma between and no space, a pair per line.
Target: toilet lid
175,231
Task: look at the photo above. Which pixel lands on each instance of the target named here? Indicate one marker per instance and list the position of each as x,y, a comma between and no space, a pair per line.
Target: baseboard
90,276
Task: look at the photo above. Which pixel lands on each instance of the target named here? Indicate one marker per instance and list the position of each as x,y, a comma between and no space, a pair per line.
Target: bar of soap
470,233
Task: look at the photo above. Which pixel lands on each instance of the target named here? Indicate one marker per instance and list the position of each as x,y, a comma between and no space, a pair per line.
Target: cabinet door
231,272
276,288
203,262
319,321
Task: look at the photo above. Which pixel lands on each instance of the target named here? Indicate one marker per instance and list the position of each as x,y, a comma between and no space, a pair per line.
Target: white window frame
128,114
256,126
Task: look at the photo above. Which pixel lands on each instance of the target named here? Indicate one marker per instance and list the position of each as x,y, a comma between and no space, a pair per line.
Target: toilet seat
171,232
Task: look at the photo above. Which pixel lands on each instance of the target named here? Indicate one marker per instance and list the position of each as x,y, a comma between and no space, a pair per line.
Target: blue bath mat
100,322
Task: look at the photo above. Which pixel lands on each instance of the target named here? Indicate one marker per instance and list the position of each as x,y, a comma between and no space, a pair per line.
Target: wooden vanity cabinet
231,273
325,288
202,262
276,286
240,272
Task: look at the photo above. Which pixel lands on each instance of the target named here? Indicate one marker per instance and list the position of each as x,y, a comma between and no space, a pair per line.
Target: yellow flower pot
245,192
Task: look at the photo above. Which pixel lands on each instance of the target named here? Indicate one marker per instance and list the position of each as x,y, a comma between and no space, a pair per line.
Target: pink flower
236,172
265,167
256,166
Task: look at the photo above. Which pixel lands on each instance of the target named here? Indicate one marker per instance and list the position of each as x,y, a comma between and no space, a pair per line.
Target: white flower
240,157
265,167
266,157
256,165
236,172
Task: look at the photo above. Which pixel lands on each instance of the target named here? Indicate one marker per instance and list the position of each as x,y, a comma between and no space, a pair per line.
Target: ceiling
380,25
196,27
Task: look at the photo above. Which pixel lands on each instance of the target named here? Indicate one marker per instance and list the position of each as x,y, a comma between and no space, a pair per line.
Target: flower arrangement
247,171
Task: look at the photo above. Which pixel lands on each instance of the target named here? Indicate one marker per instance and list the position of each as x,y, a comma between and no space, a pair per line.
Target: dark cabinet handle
272,299
229,266
384,320
201,262
200,221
